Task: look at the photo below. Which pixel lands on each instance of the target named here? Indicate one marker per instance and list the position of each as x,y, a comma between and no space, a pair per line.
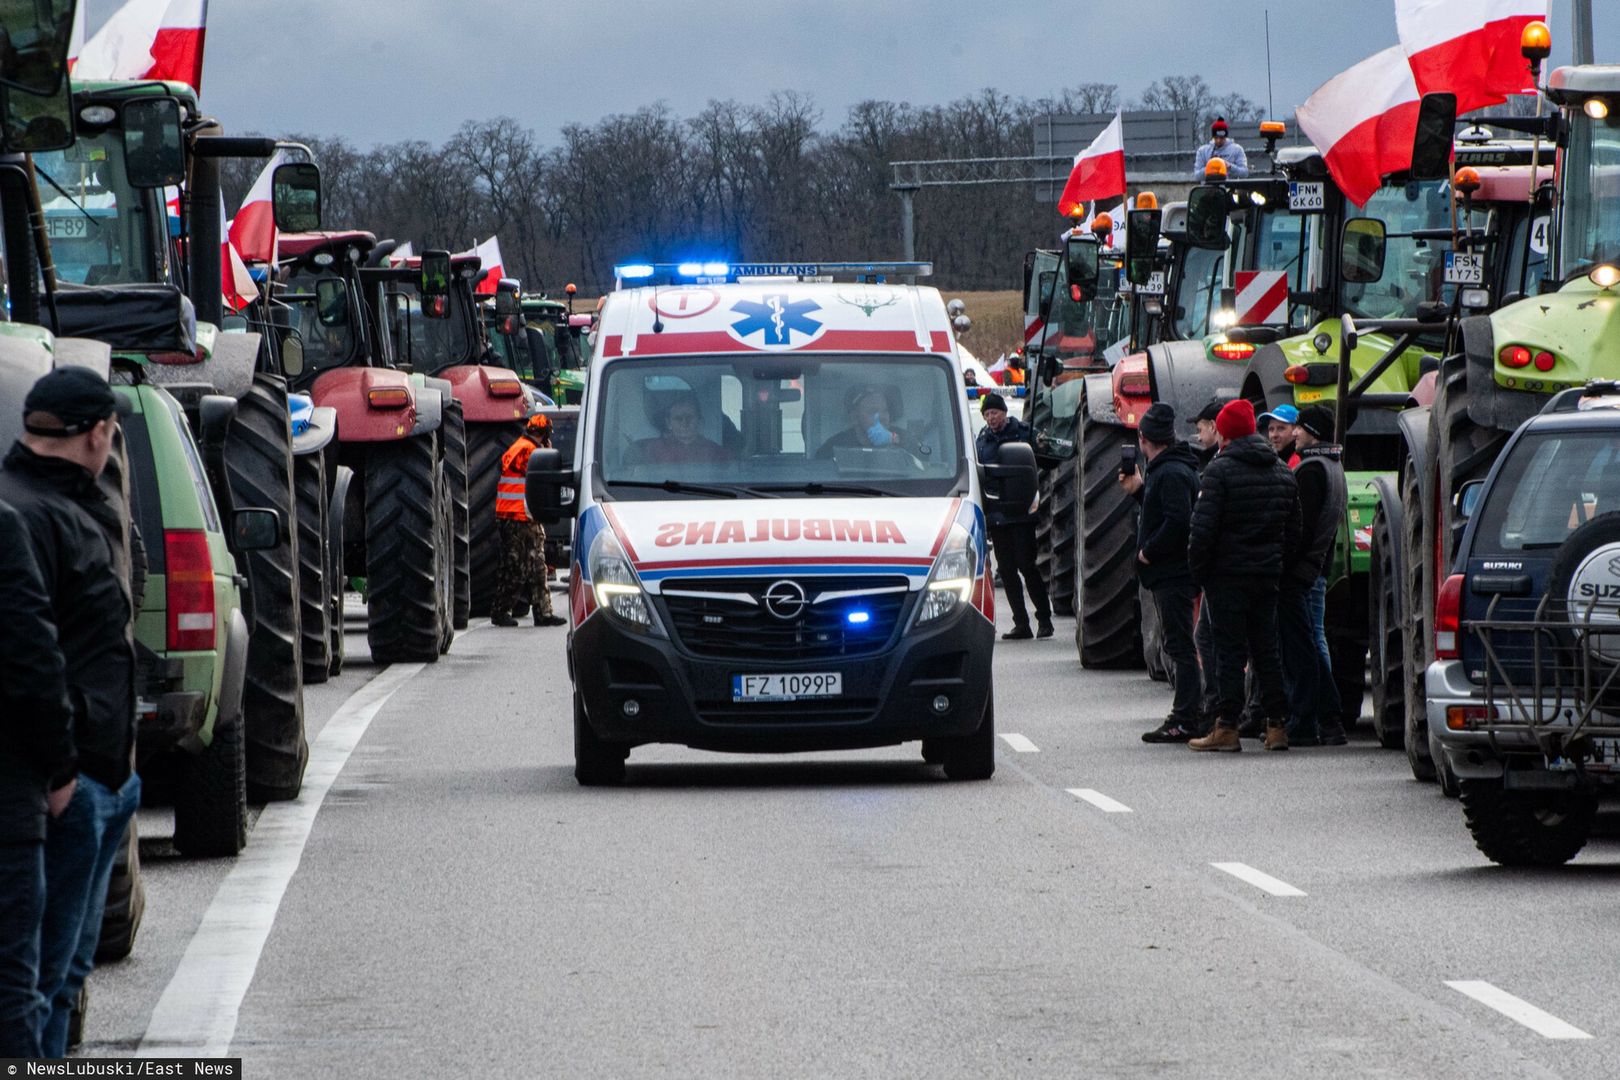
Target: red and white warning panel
1262,298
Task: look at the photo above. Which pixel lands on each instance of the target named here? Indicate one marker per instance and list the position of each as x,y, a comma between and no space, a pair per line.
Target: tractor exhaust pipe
207,294
1585,50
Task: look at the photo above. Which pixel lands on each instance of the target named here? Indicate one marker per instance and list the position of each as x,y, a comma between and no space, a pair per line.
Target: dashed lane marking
1020,743
1100,801
1542,1023
1257,878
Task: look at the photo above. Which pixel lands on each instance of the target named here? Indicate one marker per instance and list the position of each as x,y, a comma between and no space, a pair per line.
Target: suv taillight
1448,618
190,593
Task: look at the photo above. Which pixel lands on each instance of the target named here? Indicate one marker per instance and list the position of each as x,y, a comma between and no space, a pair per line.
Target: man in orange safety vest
521,574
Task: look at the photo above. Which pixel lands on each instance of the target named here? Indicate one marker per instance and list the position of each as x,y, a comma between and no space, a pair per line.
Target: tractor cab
431,318
320,303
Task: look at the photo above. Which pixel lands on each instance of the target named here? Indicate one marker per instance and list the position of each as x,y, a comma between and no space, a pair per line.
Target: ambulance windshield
764,426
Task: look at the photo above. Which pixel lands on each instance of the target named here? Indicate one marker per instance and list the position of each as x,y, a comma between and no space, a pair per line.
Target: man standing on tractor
1221,146
522,572
49,478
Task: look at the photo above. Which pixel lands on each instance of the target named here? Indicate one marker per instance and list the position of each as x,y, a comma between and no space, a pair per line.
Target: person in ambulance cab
681,441
872,414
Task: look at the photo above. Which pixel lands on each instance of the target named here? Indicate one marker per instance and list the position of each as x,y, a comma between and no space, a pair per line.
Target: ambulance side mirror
1011,482
544,484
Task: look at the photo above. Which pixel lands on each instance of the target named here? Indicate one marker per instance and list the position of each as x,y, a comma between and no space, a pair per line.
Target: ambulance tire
597,763
455,457
486,445
973,757
314,579
402,552
1108,632
259,472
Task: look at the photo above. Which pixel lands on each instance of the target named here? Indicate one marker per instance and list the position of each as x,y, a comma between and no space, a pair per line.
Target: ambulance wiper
816,488
675,487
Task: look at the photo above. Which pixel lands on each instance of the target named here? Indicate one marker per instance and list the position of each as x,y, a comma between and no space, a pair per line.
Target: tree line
764,182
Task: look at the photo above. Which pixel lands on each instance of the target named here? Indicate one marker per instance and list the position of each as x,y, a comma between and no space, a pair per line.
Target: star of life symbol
778,319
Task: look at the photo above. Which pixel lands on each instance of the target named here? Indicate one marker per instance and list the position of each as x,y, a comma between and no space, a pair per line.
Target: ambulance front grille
731,618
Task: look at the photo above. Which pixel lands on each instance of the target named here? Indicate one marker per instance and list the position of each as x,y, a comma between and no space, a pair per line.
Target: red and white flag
489,257
76,38
1363,121
148,39
402,254
235,282
1099,170
254,229
1468,47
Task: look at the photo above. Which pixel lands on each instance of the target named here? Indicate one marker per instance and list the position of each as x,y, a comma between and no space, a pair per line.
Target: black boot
502,618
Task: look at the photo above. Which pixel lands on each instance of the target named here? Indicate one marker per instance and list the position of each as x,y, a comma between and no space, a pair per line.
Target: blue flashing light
858,617
690,269
716,269
635,271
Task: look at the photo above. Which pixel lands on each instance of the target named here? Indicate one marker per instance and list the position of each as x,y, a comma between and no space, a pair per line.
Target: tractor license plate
786,687
1464,269
1305,397
1307,196
67,228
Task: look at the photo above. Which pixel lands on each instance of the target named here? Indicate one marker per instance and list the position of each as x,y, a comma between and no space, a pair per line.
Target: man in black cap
36,776
71,418
1167,491
1221,146
1013,535
1314,707
1209,443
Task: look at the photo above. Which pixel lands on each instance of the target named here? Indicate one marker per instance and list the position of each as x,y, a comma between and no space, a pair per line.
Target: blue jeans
80,849
22,909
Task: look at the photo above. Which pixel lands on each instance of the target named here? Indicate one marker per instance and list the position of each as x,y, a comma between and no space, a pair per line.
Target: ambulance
779,520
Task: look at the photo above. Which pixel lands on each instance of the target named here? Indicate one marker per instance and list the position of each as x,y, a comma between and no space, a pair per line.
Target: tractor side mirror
1080,257
34,47
1431,145
256,529
507,302
154,147
435,273
1142,229
332,301
36,124
295,193
1365,245
1207,208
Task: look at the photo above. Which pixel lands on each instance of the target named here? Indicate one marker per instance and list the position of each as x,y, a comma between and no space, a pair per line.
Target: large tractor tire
1108,632
1527,828
1385,588
337,537
1064,516
455,460
447,571
403,556
315,582
486,444
126,901
1415,627
1464,451
1160,667
259,472
1043,529
1346,626
210,800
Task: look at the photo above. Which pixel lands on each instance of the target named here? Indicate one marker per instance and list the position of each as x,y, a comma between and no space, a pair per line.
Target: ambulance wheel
1108,632
973,757
486,445
403,552
314,578
597,763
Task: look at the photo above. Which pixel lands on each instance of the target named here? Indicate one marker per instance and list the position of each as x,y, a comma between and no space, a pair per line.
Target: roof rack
634,275
1581,398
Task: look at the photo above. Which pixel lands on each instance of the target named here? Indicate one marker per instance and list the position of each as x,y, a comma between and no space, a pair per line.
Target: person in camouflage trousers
521,572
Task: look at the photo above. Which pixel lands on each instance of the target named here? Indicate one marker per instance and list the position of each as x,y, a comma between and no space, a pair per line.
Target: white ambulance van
779,520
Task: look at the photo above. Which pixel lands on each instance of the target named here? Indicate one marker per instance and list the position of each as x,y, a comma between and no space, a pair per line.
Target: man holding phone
1167,490
1013,536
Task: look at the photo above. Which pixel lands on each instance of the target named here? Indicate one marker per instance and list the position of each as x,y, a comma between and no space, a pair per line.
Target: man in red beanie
1245,527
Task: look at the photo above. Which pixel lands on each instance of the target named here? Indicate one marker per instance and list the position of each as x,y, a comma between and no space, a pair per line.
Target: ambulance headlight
618,590
951,582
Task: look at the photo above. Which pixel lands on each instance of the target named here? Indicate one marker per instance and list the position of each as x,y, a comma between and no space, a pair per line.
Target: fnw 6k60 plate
786,687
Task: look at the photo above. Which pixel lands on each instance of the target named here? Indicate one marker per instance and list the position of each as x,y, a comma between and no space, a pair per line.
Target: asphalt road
458,901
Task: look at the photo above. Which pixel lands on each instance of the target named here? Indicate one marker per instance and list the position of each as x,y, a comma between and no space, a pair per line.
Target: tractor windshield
1591,230
102,231
324,318
1414,268
1069,331
431,345
1199,293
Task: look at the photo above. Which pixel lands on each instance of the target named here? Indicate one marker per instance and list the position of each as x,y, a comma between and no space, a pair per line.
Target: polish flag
1468,47
1099,170
236,283
1363,121
402,254
76,39
489,257
254,229
148,39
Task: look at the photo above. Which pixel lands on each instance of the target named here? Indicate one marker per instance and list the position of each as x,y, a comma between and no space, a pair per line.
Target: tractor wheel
455,459
486,444
1159,665
315,582
1388,651
403,556
1527,828
1464,451
1419,606
1060,583
126,901
336,539
1346,629
259,471
446,515
1043,529
210,799
1109,629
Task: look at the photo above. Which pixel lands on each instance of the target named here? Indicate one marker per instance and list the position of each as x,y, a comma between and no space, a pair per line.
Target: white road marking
1099,800
1542,1023
196,1016
1020,743
1260,880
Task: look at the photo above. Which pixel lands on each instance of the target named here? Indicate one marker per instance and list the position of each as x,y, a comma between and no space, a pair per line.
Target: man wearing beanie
1013,536
1167,492
1221,146
1245,530
1313,698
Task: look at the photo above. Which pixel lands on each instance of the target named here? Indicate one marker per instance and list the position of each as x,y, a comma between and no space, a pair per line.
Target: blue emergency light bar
973,392
631,275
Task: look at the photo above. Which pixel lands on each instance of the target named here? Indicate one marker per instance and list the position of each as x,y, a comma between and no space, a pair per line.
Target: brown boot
1276,737
1222,740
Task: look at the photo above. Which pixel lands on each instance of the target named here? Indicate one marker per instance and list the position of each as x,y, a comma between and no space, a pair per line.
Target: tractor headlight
950,584
618,590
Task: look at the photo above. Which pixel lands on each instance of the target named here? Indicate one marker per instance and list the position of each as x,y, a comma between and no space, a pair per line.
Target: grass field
998,322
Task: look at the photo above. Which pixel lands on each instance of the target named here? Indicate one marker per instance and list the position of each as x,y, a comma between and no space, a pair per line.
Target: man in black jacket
36,776
1245,530
1167,493
1313,698
1013,536
49,477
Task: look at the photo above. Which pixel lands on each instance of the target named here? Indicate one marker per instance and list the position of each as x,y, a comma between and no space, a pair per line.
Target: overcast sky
382,70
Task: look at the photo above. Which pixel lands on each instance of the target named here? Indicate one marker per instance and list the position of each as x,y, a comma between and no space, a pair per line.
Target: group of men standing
1251,537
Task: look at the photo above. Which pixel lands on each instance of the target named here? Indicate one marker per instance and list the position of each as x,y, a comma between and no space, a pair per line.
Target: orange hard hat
539,422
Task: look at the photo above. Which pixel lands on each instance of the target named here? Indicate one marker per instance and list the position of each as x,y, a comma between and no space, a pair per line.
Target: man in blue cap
1278,427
